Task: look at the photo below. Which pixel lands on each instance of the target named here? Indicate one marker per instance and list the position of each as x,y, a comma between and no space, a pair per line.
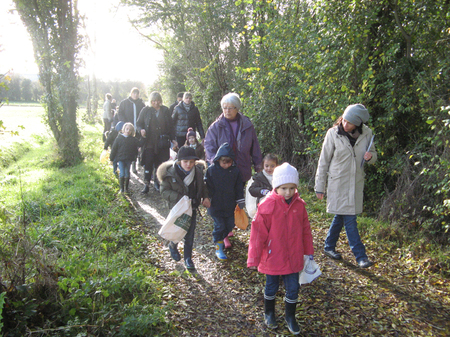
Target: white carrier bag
178,221
250,201
310,271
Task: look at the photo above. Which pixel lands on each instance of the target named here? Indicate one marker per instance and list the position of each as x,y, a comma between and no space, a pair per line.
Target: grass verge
71,262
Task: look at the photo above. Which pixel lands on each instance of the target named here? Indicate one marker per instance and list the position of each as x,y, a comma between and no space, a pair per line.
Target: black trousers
152,160
106,127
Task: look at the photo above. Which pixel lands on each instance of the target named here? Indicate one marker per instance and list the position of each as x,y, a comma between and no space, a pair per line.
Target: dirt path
226,298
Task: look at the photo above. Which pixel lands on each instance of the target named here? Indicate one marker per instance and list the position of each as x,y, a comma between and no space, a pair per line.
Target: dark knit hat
191,133
356,114
186,153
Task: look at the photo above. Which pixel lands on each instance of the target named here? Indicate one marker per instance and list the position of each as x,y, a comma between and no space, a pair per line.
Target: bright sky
121,53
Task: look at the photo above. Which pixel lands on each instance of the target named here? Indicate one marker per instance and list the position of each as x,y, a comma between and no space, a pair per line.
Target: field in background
25,119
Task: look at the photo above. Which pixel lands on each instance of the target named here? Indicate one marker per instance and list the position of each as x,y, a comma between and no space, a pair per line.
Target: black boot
121,184
127,183
290,318
269,314
146,188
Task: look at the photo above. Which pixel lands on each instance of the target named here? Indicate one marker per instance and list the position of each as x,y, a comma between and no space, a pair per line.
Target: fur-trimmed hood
164,168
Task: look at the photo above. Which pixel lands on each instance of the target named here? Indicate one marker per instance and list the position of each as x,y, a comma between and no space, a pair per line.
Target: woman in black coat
157,127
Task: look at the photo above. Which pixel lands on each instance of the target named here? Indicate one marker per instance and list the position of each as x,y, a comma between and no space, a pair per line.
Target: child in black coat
226,189
262,181
125,151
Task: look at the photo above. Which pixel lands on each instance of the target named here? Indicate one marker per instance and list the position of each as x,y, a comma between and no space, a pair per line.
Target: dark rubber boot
269,314
290,318
146,188
121,184
173,248
127,184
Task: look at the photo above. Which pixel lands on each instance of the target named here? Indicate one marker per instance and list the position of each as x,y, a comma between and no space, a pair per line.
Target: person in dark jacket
155,125
174,104
262,181
125,151
129,110
110,138
184,177
226,189
192,141
185,116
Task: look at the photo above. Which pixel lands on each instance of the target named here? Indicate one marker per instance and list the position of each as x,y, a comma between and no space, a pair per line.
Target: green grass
70,254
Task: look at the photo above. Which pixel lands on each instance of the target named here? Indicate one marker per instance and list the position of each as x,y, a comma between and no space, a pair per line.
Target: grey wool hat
356,114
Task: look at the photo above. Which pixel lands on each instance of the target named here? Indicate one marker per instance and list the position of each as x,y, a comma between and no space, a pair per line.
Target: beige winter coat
341,163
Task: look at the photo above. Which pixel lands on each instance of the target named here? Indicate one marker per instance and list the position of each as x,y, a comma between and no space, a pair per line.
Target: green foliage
72,261
53,28
297,65
2,302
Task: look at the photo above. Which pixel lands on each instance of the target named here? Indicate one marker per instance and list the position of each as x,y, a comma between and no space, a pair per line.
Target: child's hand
265,192
206,202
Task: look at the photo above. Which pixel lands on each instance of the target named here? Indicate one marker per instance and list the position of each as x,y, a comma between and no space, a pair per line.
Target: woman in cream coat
347,147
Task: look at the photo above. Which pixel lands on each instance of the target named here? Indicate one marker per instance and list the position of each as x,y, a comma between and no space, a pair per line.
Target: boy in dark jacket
180,178
226,189
124,151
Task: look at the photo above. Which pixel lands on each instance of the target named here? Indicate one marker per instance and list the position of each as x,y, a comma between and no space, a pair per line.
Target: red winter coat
280,236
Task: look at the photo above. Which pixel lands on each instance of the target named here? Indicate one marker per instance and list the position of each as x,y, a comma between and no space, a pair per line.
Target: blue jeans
290,283
351,228
124,168
222,226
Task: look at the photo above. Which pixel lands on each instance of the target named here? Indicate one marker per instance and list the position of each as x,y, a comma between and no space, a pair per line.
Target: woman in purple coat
234,128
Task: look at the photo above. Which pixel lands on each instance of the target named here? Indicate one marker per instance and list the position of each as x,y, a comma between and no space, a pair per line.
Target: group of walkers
213,172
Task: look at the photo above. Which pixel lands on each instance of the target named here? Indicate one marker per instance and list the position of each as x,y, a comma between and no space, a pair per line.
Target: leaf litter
395,297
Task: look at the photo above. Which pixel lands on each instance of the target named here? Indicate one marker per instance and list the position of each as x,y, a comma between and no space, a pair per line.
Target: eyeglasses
228,108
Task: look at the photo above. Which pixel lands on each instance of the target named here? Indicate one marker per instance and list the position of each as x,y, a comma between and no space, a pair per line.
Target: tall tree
53,27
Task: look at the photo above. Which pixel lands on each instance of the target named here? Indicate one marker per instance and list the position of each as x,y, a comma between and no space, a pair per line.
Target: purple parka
248,150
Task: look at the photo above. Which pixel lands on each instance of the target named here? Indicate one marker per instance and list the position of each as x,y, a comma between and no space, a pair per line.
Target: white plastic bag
310,271
250,201
178,221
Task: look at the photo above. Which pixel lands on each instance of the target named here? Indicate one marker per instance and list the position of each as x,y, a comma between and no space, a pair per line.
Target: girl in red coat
279,238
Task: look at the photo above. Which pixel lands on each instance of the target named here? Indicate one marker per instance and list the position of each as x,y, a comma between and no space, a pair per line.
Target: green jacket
172,187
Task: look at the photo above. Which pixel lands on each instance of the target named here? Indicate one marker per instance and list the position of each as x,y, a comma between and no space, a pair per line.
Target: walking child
192,141
262,181
177,179
124,151
279,238
226,189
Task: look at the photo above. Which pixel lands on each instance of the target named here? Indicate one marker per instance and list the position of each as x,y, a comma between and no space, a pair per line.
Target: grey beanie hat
356,114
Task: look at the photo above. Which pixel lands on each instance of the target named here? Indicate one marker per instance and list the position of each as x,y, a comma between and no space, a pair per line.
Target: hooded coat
280,236
248,150
172,187
340,165
225,186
